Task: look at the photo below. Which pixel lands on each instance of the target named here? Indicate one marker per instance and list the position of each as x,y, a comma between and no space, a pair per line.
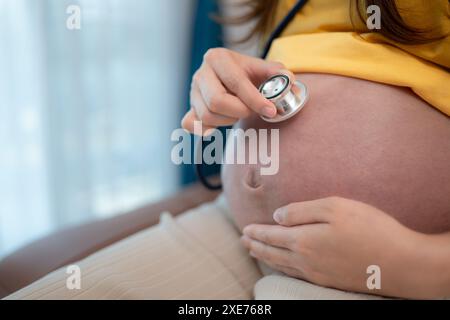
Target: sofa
72,244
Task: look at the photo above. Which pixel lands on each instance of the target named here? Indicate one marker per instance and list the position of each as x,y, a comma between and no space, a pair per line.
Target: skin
331,242
224,89
379,145
356,139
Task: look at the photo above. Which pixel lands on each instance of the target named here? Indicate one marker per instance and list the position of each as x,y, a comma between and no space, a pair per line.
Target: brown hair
393,25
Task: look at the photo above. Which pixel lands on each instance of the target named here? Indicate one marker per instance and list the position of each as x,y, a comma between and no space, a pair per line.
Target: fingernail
278,215
252,254
244,240
269,112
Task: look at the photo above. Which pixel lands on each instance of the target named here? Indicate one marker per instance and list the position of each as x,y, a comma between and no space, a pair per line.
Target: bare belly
366,141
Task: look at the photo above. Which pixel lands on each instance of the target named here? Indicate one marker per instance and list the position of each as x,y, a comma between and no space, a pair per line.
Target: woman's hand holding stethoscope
225,89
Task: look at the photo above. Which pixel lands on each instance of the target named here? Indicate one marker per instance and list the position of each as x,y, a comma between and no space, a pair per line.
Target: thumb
301,213
260,70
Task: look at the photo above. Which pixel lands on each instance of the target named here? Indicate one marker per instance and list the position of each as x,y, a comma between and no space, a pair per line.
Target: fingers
277,236
260,70
269,254
189,120
291,272
225,89
236,81
203,113
216,97
309,212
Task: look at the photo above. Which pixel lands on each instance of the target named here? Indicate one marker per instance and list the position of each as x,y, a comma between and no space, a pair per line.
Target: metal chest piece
289,98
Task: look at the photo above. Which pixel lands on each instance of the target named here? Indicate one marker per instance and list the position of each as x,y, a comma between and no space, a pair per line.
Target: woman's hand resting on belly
351,246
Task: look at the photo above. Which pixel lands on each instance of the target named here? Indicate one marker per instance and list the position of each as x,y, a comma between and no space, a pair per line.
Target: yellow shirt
322,39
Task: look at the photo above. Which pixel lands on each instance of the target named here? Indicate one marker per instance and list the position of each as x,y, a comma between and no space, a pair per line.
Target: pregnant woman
364,179
369,133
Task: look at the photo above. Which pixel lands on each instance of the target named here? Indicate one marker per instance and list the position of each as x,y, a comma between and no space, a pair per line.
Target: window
86,115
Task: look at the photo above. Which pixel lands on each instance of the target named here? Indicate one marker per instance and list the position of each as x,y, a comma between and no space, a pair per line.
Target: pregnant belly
366,141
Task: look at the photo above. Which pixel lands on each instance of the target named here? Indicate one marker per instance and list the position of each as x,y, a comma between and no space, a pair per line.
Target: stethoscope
289,98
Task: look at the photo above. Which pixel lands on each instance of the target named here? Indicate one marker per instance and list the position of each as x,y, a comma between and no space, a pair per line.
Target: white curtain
86,115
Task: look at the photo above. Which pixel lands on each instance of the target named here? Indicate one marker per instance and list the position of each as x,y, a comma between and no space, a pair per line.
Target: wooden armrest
75,243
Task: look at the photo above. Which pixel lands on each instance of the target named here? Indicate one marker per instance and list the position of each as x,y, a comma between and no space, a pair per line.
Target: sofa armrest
75,243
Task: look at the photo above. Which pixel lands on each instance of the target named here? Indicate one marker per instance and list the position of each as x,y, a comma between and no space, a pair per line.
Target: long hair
393,25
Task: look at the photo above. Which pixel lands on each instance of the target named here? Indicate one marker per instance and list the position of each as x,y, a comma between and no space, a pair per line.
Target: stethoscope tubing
282,26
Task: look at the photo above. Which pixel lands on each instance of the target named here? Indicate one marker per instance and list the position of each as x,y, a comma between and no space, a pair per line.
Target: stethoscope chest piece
289,98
